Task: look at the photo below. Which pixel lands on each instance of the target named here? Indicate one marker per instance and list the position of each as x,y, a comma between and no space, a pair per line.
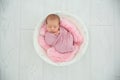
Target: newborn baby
57,36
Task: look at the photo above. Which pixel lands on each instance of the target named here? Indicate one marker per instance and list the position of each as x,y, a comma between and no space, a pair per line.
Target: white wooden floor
18,58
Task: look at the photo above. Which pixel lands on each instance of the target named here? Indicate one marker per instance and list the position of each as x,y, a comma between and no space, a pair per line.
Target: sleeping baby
57,36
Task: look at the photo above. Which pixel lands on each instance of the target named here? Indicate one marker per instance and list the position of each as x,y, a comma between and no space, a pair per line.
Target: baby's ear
60,23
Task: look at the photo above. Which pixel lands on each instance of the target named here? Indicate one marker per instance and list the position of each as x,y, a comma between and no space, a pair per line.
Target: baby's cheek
58,29
48,29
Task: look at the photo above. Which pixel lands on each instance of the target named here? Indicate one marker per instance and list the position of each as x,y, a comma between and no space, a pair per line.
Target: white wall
18,58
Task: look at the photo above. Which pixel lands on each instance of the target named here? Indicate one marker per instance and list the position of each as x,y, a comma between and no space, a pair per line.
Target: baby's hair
52,17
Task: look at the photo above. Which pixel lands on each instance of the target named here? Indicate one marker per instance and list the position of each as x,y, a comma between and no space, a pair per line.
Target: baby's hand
57,33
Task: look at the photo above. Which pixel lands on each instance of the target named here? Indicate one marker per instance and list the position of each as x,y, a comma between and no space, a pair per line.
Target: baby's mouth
53,32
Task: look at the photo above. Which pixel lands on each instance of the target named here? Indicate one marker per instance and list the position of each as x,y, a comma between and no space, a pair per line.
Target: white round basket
79,25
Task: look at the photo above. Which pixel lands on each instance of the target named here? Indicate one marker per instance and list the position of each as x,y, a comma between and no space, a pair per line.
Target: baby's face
52,26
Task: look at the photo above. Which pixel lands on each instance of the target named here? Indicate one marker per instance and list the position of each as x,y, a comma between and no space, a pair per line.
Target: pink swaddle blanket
62,43
69,39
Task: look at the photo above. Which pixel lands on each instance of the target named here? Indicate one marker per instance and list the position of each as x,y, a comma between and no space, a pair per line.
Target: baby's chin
51,32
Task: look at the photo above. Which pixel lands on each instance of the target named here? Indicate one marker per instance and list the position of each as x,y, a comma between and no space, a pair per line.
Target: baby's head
53,23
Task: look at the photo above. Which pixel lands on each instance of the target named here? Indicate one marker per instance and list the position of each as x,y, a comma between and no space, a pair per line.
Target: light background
18,58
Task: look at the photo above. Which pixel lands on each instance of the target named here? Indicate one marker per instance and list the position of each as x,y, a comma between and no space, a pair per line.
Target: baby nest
49,54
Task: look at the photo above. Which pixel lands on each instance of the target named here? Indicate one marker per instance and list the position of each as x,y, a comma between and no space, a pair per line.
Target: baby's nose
52,28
